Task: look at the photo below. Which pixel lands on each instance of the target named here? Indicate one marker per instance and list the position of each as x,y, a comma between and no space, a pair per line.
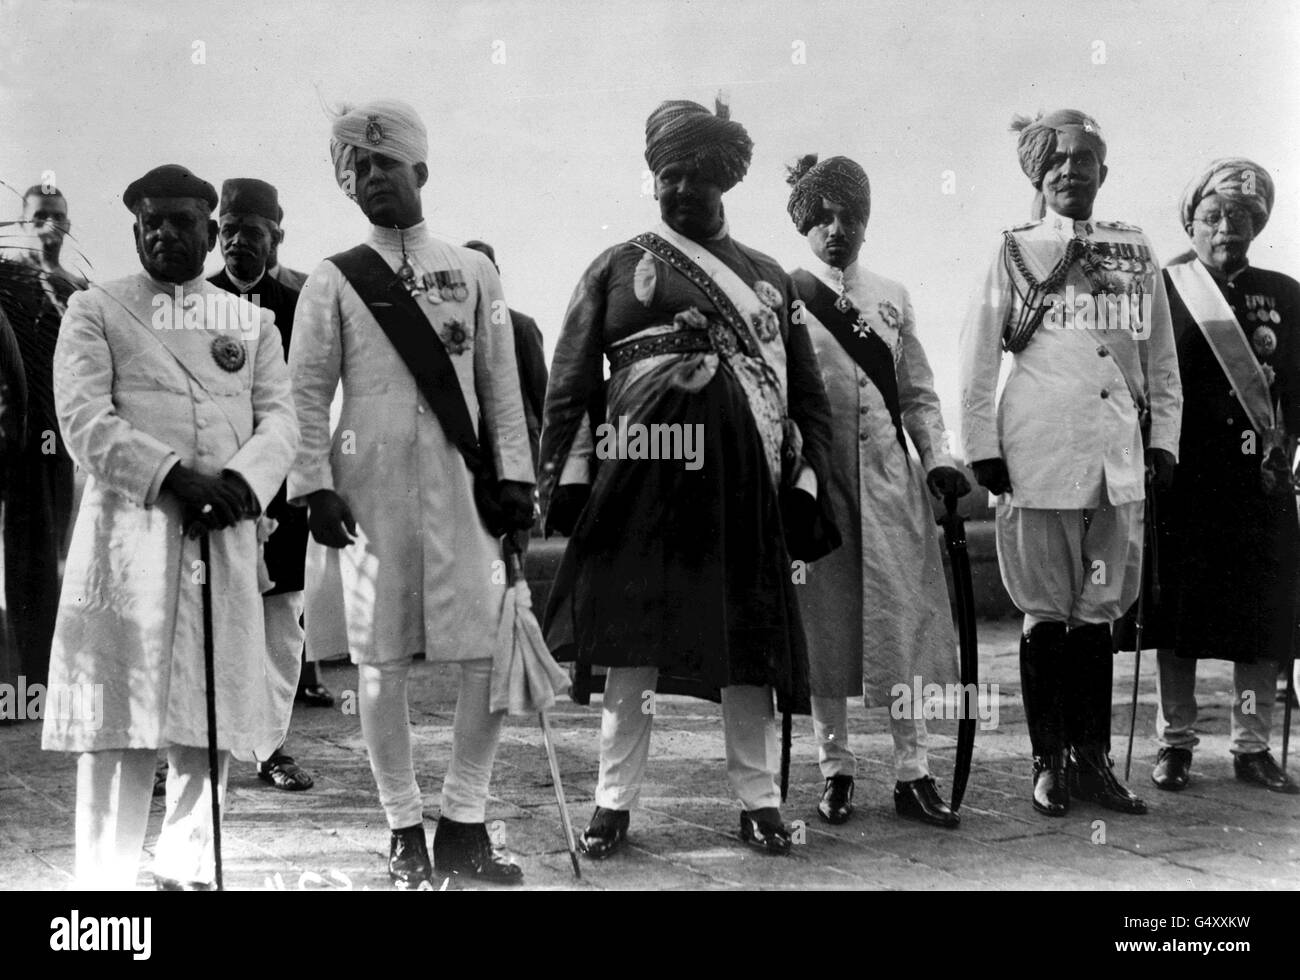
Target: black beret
169,180
248,195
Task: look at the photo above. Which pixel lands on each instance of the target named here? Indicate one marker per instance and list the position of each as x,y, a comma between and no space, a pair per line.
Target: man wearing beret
1229,541
877,611
677,576
173,396
1081,306
430,451
248,224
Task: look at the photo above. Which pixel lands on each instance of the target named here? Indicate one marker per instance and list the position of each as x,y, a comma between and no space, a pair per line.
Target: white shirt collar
1068,226
417,236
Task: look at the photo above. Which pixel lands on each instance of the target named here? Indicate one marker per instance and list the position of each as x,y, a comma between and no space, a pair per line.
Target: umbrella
525,677
954,533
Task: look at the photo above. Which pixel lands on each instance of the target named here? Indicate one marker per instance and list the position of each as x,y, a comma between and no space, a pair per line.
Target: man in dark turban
1082,424
685,132
877,610
677,573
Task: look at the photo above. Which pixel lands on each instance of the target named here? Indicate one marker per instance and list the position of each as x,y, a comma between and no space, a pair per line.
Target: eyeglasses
1237,218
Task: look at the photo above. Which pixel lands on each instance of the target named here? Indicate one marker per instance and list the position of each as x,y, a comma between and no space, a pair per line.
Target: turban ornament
1038,139
1235,179
836,178
386,126
681,131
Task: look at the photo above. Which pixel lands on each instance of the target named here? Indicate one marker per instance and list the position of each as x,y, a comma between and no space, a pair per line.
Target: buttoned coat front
138,386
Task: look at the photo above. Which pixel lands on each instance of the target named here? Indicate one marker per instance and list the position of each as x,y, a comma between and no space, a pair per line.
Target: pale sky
536,115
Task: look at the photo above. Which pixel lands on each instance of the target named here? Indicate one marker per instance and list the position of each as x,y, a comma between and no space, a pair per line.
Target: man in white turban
430,452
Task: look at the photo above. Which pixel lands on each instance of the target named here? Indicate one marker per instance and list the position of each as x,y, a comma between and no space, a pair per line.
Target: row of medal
1123,257
436,287
1260,308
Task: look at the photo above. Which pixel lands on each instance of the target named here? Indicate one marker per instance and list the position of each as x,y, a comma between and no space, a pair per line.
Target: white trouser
114,788
284,634
753,752
831,727
1254,687
386,726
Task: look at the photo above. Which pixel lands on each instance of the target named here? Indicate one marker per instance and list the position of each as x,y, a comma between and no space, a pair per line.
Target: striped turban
1236,179
1038,142
837,178
681,131
386,126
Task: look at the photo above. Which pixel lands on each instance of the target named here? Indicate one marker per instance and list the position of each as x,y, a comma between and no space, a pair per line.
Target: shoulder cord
1016,338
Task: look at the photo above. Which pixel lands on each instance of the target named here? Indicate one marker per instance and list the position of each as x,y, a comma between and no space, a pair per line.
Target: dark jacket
286,551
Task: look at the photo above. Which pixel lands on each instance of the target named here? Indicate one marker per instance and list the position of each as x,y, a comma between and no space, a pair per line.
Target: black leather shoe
836,805
408,860
764,830
172,885
1173,768
1092,777
605,834
919,799
1051,790
1260,769
315,696
464,849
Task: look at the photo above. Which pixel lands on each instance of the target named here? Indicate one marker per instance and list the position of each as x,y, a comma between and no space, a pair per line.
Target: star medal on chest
455,336
1264,341
766,322
228,353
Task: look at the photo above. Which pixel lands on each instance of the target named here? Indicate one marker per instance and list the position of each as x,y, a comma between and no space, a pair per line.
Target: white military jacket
1067,424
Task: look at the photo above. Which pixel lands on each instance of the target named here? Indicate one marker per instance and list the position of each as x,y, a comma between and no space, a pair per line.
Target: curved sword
954,532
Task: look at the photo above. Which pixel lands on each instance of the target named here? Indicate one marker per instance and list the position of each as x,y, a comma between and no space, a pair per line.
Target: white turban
386,126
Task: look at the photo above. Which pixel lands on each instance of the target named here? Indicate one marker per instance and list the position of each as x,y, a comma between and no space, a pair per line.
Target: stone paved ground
1218,834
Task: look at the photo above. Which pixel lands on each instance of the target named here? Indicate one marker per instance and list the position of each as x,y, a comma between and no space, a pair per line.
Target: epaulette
1026,226
1120,226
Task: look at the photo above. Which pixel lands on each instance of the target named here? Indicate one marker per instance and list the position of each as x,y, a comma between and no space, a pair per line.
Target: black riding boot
1042,650
1090,674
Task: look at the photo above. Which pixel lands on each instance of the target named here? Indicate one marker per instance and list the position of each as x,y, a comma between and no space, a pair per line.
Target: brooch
766,324
228,353
1264,340
457,340
374,131
889,313
768,294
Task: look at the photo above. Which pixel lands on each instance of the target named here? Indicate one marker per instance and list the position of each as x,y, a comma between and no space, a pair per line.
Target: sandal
282,773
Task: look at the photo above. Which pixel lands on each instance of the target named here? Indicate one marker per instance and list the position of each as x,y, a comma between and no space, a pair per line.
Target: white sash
1228,341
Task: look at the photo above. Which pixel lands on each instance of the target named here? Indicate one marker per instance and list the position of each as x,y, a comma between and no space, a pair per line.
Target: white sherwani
133,397
876,610
421,575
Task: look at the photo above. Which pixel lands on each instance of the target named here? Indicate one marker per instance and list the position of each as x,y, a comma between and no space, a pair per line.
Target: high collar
417,236
841,279
1069,226
190,285
240,284
1219,276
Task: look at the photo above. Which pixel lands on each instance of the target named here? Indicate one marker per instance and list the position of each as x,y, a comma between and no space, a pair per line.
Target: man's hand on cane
208,502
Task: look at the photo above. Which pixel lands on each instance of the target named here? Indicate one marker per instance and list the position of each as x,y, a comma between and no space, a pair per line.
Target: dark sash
423,353
868,351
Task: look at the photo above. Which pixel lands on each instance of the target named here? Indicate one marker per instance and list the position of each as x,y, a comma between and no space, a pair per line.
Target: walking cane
1149,560
786,720
209,672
